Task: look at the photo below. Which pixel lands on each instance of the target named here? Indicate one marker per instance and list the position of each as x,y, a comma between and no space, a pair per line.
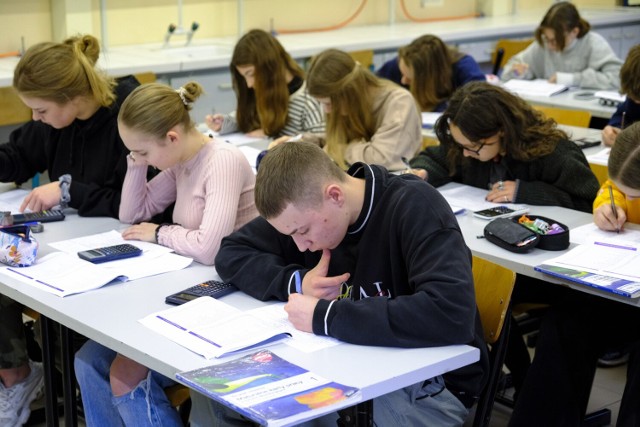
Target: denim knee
93,361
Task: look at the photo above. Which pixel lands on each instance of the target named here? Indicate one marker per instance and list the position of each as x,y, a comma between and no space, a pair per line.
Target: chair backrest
364,57
564,116
508,47
148,77
493,285
12,109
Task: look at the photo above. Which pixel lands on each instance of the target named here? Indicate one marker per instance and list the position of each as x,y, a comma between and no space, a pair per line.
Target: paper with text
606,258
212,328
472,198
303,341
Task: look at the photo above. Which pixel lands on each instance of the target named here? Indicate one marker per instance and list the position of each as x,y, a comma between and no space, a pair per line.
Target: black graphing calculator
110,253
42,216
210,288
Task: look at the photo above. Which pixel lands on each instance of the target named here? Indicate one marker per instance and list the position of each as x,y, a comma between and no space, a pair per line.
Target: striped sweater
305,115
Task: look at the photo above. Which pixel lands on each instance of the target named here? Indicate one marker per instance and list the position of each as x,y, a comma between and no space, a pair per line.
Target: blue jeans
415,405
145,405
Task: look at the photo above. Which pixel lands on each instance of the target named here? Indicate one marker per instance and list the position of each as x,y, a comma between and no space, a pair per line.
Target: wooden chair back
508,47
565,116
493,284
12,109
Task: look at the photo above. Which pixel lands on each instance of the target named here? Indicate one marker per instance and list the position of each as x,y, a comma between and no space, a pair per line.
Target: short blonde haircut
60,72
293,173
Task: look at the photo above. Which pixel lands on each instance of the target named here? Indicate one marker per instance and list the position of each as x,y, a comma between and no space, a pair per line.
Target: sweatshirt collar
372,185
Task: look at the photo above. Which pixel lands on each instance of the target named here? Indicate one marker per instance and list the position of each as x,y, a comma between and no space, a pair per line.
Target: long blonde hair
59,72
335,75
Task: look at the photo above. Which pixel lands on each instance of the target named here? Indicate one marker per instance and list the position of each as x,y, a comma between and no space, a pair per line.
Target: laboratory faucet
178,30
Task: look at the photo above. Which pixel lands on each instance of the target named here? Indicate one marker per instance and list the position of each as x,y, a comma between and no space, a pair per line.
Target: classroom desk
473,227
570,100
110,315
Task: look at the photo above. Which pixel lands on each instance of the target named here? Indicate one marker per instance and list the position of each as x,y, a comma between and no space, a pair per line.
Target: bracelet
157,230
65,196
160,226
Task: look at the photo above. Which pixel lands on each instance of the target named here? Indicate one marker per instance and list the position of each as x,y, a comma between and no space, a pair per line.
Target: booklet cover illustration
268,389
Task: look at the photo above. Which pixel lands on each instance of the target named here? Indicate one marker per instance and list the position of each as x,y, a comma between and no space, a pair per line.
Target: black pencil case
550,242
510,235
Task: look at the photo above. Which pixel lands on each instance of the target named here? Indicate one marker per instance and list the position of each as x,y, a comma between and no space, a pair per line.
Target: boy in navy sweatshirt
366,257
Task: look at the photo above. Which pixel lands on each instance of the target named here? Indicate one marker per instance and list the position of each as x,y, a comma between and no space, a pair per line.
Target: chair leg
185,410
496,360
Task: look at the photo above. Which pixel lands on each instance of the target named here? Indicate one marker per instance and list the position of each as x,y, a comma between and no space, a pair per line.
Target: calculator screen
186,297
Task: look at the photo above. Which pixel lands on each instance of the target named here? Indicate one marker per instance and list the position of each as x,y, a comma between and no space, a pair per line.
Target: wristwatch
65,196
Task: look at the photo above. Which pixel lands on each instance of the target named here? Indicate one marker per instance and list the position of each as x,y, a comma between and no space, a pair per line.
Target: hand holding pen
614,209
609,216
214,121
519,68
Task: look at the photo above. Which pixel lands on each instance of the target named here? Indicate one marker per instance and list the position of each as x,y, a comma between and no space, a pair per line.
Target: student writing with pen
566,52
272,100
493,139
578,329
628,111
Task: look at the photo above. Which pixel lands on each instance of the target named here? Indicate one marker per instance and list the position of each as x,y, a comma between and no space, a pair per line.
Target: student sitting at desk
628,112
490,138
345,250
271,92
212,185
566,52
368,119
73,136
576,332
432,71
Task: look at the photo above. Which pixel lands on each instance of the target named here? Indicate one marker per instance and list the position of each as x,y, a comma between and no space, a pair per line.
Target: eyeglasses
480,147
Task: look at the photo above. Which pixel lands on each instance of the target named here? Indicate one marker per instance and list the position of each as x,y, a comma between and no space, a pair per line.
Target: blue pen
298,280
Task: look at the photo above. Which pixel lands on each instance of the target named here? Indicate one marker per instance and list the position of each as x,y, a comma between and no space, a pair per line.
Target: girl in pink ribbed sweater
212,185
210,181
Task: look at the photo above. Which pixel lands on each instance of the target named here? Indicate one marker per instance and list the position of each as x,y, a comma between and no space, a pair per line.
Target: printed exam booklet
270,390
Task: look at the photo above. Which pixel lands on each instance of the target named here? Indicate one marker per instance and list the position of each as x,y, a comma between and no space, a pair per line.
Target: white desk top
110,316
524,263
207,54
569,100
